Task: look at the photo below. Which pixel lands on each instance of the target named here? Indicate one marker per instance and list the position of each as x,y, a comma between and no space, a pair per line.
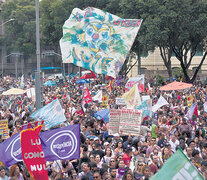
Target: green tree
135,9
177,27
19,34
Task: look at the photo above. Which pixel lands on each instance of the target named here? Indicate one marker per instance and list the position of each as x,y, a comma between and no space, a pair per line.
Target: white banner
161,102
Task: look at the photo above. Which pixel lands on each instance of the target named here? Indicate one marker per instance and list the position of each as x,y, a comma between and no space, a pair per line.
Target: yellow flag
189,100
132,97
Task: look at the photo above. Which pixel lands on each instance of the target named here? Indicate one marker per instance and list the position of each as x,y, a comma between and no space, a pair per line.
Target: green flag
178,167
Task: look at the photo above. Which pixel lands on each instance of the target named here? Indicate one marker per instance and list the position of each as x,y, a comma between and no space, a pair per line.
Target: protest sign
32,153
105,100
114,119
189,100
54,147
139,79
120,101
125,121
4,131
97,40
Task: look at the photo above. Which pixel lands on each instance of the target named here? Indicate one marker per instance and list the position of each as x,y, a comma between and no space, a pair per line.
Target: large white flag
132,97
205,106
98,96
161,102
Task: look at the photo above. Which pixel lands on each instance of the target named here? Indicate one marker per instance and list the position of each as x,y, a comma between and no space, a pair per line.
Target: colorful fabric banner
139,79
52,114
178,166
132,97
32,153
189,100
61,143
97,40
192,110
54,147
161,102
146,106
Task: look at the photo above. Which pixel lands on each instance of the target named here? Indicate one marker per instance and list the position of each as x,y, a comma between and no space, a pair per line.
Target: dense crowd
113,157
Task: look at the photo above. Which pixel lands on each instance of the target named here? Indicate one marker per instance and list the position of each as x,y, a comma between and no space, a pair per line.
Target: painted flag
61,143
139,79
192,110
189,100
98,96
161,102
97,40
205,106
86,98
110,84
178,166
52,114
146,106
132,97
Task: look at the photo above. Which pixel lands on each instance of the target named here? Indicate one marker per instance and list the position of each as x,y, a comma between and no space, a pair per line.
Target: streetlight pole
2,32
37,74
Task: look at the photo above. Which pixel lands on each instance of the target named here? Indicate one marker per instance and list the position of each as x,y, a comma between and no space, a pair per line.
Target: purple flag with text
61,143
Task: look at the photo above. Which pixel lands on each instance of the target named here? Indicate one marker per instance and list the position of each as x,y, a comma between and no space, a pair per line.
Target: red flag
196,111
86,98
32,152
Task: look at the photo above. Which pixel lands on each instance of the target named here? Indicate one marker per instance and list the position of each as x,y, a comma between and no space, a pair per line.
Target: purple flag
61,143
10,150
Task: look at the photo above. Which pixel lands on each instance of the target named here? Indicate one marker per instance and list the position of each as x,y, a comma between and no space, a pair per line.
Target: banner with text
32,153
125,121
139,79
64,145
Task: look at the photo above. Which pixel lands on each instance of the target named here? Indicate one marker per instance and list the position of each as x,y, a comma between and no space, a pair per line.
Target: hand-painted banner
146,106
32,153
54,147
125,121
139,79
52,114
97,40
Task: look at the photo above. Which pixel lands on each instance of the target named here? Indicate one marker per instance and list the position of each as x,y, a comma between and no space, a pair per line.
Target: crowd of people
113,157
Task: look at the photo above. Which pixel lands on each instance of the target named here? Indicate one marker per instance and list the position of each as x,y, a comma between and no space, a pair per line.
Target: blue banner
52,114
